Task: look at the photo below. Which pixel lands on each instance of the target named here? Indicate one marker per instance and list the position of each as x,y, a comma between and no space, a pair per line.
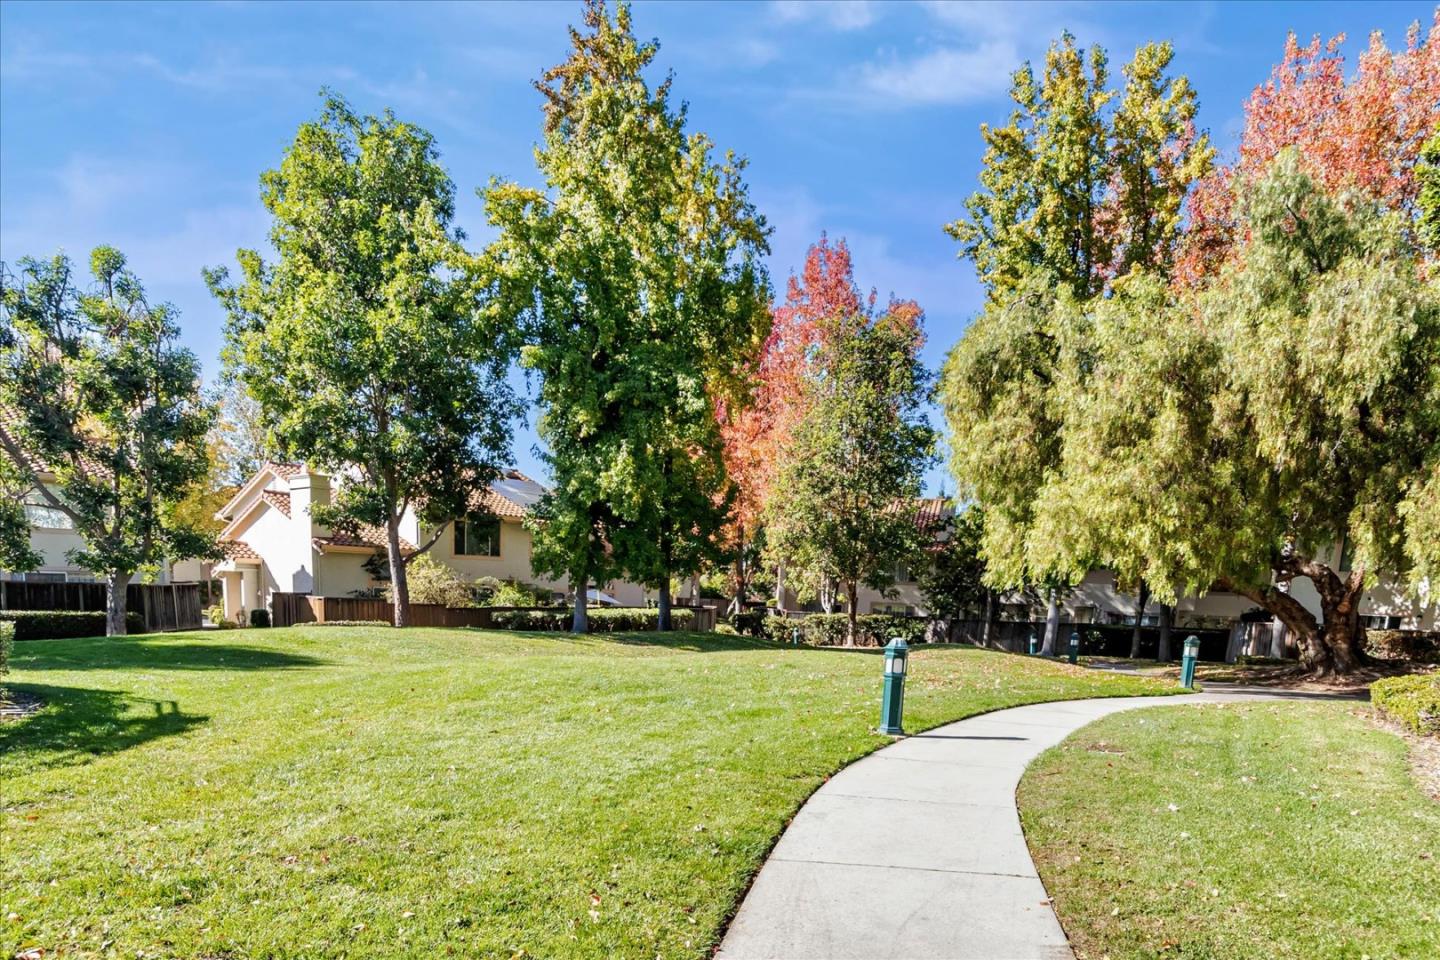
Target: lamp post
1187,663
1034,645
1074,646
892,705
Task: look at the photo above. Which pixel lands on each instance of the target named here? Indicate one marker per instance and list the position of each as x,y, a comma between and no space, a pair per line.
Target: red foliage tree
756,436
1364,133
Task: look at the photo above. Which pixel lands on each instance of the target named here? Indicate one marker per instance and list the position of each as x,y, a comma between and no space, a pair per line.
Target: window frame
464,527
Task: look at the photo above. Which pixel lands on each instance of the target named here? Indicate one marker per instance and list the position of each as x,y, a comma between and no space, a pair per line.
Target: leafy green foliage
640,273
598,620
16,552
1413,701
953,582
1428,173
104,408
431,581
843,506
7,642
59,624
833,629
372,345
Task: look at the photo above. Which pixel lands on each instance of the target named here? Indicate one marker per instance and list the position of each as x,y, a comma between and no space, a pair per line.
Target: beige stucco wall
340,574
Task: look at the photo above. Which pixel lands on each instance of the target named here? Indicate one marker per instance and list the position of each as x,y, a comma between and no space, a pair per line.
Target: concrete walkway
916,850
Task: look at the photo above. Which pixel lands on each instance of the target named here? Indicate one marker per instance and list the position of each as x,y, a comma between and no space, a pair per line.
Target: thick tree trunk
827,594
1143,601
1167,620
1052,623
1300,621
1341,633
737,603
662,619
399,583
851,592
581,621
115,587
780,589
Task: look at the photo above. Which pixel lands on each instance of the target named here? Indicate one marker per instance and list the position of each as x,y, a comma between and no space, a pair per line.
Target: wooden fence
291,608
1096,639
168,606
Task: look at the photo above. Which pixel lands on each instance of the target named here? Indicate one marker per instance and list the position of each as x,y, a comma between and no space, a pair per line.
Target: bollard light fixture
1187,662
1034,645
892,702
1074,646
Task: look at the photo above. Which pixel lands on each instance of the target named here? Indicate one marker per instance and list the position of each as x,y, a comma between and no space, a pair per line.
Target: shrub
1403,644
1413,701
7,640
351,623
750,622
63,624
260,618
828,629
516,593
215,614
431,581
601,619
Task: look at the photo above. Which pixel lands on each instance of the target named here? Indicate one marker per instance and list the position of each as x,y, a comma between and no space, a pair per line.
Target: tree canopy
639,272
371,344
103,421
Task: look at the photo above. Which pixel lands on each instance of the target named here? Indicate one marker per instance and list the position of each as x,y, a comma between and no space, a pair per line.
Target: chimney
306,490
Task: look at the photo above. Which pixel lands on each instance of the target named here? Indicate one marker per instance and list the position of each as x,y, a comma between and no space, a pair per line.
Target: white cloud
836,14
945,74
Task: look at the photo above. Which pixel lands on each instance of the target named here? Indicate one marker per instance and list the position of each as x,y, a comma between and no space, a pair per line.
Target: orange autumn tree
756,436
1364,133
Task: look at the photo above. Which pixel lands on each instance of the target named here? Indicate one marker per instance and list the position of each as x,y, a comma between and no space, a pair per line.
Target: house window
46,517
894,609
477,536
903,574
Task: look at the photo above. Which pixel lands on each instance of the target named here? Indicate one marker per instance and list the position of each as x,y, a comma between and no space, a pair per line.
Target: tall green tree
843,508
639,272
104,420
372,344
953,582
16,551
1082,187
1294,403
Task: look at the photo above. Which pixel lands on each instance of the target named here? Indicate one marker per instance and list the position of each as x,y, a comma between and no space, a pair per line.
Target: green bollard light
1187,663
795,637
1074,646
892,705
1034,645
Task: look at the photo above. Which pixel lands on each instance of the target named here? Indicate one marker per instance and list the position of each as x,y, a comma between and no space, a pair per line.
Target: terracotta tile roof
285,471
280,501
239,550
512,495
490,501
930,512
364,536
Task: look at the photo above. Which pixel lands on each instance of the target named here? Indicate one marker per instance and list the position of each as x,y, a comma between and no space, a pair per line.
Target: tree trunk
780,589
115,588
1144,599
1341,633
986,631
737,604
581,621
1052,623
1300,621
851,613
399,584
827,594
662,619
1167,620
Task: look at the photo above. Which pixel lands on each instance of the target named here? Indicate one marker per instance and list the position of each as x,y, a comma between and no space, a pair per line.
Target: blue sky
147,125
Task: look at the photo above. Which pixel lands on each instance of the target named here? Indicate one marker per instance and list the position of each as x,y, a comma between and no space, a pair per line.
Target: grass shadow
75,725
152,654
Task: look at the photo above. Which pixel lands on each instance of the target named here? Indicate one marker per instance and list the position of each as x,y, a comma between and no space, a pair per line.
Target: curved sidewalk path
915,851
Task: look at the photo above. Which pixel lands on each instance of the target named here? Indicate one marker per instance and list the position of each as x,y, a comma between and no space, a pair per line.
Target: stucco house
53,536
273,544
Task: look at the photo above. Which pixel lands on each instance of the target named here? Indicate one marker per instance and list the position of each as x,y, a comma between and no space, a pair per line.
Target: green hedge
601,619
62,624
1403,644
1413,701
828,629
7,640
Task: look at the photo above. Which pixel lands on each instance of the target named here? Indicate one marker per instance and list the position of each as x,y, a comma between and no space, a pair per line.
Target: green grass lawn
1261,830
364,792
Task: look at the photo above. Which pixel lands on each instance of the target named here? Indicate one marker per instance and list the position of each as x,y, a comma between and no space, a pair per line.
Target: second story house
274,545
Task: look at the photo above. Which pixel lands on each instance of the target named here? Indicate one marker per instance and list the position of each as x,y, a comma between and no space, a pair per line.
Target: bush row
601,620
828,629
61,624
7,640
1403,644
1413,701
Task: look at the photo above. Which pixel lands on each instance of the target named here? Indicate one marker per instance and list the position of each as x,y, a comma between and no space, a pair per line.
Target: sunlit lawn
1268,830
363,792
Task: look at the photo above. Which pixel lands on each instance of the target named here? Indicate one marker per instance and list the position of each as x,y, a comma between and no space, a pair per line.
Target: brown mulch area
17,706
1298,678
1424,754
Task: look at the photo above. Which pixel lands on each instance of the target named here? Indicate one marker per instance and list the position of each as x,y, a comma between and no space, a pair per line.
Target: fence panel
167,606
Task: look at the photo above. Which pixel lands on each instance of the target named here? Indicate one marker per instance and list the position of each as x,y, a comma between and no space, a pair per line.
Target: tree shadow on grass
76,725
151,654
